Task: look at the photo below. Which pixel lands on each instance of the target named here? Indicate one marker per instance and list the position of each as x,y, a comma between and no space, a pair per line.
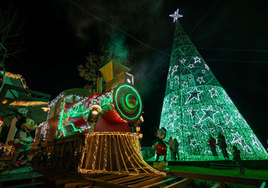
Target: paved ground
211,158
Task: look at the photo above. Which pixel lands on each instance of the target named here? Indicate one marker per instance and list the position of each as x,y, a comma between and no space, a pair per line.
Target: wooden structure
62,152
87,153
171,180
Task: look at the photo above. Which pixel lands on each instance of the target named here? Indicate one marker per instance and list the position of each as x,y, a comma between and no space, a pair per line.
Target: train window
57,108
77,98
69,98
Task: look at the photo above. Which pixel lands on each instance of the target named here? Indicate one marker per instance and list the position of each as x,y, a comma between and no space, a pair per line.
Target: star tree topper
176,15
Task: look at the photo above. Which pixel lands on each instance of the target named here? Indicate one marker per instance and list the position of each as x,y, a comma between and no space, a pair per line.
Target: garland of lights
125,147
28,103
17,76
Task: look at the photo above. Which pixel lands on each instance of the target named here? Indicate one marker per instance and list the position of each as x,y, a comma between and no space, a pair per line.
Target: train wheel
54,156
67,156
45,157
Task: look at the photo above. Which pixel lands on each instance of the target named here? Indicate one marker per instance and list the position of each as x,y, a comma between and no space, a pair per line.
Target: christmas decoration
196,106
16,76
114,153
22,140
28,103
23,111
1,122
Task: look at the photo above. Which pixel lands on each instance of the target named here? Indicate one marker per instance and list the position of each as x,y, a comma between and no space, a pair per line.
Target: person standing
176,149
222,144
238,160
170,144
212,145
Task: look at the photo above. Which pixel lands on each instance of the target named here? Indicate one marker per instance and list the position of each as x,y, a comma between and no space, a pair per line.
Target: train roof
78,91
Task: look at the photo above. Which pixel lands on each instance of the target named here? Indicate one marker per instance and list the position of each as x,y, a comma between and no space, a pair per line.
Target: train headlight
94,113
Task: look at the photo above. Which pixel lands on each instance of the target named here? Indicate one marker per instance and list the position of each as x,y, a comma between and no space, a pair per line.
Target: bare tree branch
11,31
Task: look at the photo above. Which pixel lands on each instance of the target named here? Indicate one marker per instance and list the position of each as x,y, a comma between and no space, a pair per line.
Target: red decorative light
1,122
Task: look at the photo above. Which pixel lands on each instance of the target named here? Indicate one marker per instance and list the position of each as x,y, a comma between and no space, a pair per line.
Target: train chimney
114,73
99,84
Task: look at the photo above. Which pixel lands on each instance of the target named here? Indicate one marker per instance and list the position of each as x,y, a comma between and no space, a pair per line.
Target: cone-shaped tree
196,106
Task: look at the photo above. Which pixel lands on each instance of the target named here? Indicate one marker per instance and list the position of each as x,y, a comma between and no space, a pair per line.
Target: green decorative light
196,106
77,111
126,87
61,114
129,101
74,129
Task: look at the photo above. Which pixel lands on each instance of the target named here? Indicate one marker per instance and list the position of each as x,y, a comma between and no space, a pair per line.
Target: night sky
230,35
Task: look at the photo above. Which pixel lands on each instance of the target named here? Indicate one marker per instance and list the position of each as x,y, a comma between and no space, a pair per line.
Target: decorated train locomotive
90,133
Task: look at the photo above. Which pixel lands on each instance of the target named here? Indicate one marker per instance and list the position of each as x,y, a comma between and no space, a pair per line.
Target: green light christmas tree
196,106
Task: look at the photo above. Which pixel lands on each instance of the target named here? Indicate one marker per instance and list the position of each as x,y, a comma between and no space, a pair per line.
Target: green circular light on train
128,102
131,100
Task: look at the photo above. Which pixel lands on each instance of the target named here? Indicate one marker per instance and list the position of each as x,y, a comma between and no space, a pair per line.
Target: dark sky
232,38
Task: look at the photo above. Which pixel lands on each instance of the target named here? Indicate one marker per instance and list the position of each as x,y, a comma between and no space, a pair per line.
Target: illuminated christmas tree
196,106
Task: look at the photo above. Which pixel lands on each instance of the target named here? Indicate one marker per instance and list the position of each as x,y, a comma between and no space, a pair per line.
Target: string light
28,103
204,107
124,150
17,76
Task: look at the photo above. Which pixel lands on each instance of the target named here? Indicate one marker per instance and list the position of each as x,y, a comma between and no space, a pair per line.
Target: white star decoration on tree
237,138
197,60
173,100
177,79
254,141
213,92
165,104
194,143
248,149
183,60
200,80
191,66
176,15
229,119
193,95
208,114
185,84
175,68
212,130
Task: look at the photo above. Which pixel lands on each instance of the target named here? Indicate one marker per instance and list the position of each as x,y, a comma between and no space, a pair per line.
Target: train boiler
91,134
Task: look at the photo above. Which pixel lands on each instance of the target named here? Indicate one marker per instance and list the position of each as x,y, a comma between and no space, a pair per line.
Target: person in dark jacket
170,145
176,149
212,145
222,144
238,160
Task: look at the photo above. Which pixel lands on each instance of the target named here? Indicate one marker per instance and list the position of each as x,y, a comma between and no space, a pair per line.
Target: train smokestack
99,84
115,73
